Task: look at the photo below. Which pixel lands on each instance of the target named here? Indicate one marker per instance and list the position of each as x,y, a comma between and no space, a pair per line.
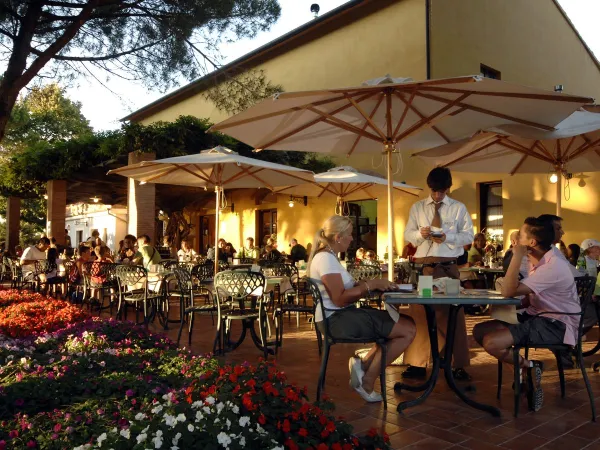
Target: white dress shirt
456,224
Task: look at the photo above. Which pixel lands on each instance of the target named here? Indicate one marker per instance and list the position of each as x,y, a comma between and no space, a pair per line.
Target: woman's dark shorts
359,323
533,330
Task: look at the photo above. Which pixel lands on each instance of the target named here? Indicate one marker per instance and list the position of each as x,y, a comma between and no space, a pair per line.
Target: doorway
267,225
363,214
207,233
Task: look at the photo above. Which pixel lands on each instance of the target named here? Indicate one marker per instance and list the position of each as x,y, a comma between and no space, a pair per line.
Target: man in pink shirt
549,289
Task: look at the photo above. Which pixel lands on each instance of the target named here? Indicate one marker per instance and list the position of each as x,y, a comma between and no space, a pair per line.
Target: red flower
322,447
336,446
286,426
347,446
330,426
323,420
233,378
303,432
291,444
324,434
251,383
372,432
262,419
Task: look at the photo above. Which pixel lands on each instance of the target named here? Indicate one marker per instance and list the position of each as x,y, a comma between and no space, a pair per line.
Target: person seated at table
230,250
370,257
128,253
549,290
360,254
297,252
221,252
477,250
78,269
148,255
186,253
18,251
102,256
409,251
591,251
31,255
52,277
210,252
339,293
573,252
563,249
271,254
249,251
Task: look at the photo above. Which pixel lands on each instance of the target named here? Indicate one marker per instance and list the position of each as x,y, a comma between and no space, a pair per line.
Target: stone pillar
141,201
56,210
13,223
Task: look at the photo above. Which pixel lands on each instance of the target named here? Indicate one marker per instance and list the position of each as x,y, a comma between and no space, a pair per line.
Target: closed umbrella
573,147
388,112
217,168
345,184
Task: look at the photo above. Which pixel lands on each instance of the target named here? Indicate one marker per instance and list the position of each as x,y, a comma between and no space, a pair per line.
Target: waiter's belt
432,261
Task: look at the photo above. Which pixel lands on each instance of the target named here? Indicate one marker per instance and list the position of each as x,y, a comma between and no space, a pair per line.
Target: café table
455,302
490,274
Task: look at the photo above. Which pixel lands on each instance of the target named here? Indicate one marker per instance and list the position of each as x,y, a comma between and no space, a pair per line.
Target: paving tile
589,431
566,443
406,438
439,433
429,444
525,442
476,444
478,434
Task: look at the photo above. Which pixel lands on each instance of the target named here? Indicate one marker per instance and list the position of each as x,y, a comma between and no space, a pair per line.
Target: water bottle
581,264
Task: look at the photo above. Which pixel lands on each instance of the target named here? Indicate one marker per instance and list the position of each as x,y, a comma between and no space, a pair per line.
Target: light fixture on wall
45,196
95,199
294,200
553,178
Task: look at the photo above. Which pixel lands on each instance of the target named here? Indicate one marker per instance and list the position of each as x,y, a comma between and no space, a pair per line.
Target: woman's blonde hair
335,225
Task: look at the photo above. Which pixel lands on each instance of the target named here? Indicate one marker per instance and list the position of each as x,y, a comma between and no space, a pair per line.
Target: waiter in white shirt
439,227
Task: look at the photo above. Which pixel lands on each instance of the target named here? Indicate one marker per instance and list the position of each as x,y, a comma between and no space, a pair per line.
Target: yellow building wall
530,43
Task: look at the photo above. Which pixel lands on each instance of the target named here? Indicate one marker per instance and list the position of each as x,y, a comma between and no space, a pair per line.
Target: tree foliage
157,41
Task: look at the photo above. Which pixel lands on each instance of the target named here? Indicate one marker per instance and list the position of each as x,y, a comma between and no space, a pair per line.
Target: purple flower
19,402
129,393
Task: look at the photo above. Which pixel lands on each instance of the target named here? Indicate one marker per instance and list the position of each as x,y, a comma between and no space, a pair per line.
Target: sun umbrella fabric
573,147
386,113
216,168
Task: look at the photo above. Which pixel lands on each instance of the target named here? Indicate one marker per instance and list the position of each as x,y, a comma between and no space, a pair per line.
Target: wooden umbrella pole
218,198
390,192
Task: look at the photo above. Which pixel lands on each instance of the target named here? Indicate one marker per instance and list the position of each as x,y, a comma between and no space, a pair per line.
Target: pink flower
13,434
2,444
31,444
129,393
57,428
19,402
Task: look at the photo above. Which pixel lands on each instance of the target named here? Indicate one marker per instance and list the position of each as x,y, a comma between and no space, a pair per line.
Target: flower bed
38,316
11,296
102,383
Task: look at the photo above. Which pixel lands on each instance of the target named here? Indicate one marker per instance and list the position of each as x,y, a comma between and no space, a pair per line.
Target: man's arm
511,286
412,233
464,230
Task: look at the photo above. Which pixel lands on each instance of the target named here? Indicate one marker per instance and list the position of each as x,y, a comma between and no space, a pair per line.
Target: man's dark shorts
533,331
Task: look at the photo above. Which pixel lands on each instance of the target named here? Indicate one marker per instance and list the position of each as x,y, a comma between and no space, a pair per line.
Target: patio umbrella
345,183
387,112
573,147
217,168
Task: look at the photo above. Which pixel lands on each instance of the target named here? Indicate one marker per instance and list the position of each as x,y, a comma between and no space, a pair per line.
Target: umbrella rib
550,97
289,174
357,140
161,174
407,106
326,188
358,187
568,149
427,120
252,174
541,146
488,112
201,170
457,80
131,167
185,169
589,145
511,145
312,122
521,161
366,117
242,172
332,120
388,113
406,192
422,116
477,150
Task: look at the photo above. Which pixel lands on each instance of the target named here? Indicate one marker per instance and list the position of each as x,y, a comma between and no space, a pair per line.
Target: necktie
437,219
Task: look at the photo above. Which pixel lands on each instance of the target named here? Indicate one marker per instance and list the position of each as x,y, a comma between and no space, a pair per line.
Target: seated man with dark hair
549,289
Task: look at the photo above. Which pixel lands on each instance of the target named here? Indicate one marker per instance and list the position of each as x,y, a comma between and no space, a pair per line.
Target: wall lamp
293,200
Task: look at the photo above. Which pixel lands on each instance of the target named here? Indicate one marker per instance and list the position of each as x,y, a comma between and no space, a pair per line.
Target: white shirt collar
447,200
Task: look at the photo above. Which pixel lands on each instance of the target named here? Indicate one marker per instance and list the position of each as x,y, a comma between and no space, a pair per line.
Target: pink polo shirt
554,287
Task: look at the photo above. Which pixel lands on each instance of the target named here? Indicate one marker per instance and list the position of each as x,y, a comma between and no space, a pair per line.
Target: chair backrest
129,276
203,271
315,293
15,267
365,272
238,285
246,260
585,289
168,263
184,280
45,266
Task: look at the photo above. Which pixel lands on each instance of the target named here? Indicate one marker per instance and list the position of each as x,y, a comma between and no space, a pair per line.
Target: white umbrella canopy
573,147
345,184
389,112
216,168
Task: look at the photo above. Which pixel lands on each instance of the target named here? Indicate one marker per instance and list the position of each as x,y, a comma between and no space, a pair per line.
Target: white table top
468,297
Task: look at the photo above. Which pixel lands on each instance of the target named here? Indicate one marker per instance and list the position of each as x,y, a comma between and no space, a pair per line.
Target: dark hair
145,238
130,237
44,240
83,249
53,240
439,179
550,218
52,255
575,252
541,230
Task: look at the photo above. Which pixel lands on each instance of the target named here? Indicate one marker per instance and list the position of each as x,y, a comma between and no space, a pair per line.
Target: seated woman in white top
186,254
340,292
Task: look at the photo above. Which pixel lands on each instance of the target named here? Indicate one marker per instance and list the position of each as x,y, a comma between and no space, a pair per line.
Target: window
488,72
267,225
492,217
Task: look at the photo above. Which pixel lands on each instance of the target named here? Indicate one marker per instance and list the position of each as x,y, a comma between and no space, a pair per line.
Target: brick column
141,201
56,210
13,223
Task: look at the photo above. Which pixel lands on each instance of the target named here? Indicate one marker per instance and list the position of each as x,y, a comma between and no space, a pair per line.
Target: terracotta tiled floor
443,421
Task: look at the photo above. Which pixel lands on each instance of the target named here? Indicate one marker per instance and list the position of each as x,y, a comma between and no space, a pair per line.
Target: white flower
141,438
220,407
181,417
159,433
191,428
102,363
244,420
228,423
140,416
101,439
235,409
170,420
197,404
125,433
223,439
278,448
157,441
242,441
206,409
210,400
199,416
174,447
157,409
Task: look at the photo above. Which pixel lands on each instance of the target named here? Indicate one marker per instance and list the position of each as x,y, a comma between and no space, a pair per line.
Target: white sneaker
371,398
356,372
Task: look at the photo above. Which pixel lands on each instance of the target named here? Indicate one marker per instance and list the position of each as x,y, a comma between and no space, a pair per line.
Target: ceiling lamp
95,199
554,178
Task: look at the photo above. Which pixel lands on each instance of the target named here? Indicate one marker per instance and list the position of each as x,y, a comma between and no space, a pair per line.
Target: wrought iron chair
133,288
18,281
43,268
585,288
326,339
247,260
293,300
189,292
99,282
239,296
367,272
596,310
